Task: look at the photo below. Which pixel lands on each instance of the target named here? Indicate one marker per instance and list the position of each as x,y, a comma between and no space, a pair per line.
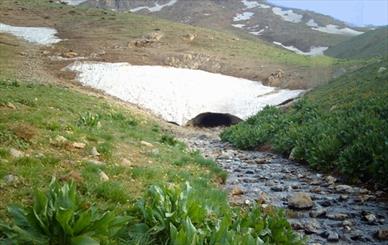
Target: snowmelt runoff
178,95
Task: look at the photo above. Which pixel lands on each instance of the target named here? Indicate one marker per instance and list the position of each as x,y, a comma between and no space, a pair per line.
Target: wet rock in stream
327,211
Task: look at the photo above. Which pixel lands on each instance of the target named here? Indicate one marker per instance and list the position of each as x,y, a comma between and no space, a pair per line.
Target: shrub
59,217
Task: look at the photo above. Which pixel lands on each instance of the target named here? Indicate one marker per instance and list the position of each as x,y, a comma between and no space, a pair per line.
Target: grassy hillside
130,175
370,44
340,127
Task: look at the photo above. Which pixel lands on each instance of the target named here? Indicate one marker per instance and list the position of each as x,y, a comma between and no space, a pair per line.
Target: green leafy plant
59,217
88,120
178,215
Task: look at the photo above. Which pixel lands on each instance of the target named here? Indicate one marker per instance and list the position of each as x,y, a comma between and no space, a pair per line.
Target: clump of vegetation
88,120
340,127
60,217
173,214
178,215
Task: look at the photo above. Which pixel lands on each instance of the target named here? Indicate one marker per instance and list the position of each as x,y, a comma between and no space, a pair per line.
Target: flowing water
340,214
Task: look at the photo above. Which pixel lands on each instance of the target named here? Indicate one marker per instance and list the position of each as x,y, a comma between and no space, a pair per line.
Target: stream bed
340,214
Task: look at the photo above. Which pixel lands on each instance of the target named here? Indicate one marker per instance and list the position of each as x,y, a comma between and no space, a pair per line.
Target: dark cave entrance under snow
211,120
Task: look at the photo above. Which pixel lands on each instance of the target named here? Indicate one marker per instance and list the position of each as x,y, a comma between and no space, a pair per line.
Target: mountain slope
296,28
370,44
104,35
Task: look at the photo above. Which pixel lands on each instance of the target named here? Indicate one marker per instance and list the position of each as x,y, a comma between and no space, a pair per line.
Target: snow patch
156,8
238,25
38,35
312,23
254,4
178,95
287,15
74,2
257,33
243,16
314,51
334,29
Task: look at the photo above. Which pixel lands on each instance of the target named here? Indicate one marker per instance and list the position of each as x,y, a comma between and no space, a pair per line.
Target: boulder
300,200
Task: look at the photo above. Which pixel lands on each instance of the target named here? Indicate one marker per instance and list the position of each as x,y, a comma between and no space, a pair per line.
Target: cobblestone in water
341,214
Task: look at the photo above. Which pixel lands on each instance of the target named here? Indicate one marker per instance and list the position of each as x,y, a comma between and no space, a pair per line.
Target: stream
340,213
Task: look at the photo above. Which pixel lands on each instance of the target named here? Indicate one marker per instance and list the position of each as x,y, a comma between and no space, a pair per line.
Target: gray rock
10,179
370,218
382,234
337,216
277,188
320,213
94,152
16,153
300,200
344,188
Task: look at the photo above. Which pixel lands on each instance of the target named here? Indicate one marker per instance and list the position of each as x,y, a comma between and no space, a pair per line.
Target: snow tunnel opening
211,120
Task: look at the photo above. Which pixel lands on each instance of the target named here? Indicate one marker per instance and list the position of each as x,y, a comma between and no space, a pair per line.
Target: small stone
312,228
337,216
79,145
296,225
370,218
315,182
320,213
16,153
103,176
325,203
332,236
347,223
70,54
356,235
330,179
126,162
300,200
277,188
382,234
343,198
96,162
145,143
236,191
344,188
11,106
94,152
10,179
60,139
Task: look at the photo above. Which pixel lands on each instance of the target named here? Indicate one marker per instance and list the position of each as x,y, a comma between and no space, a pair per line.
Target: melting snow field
243,16
74,2
38,35
287,15
334,29
178,95
156,8
314,51
254,4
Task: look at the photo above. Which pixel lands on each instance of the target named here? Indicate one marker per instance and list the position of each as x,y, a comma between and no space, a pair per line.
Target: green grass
370,44
45,112
340,127
116,132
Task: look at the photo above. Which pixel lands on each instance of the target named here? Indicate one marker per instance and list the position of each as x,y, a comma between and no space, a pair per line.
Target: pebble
78,145
103,176
11,179
344,188
337,216
94,152
332,236
145,143
382,234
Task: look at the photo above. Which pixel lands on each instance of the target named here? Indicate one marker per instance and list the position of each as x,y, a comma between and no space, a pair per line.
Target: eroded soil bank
339,213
